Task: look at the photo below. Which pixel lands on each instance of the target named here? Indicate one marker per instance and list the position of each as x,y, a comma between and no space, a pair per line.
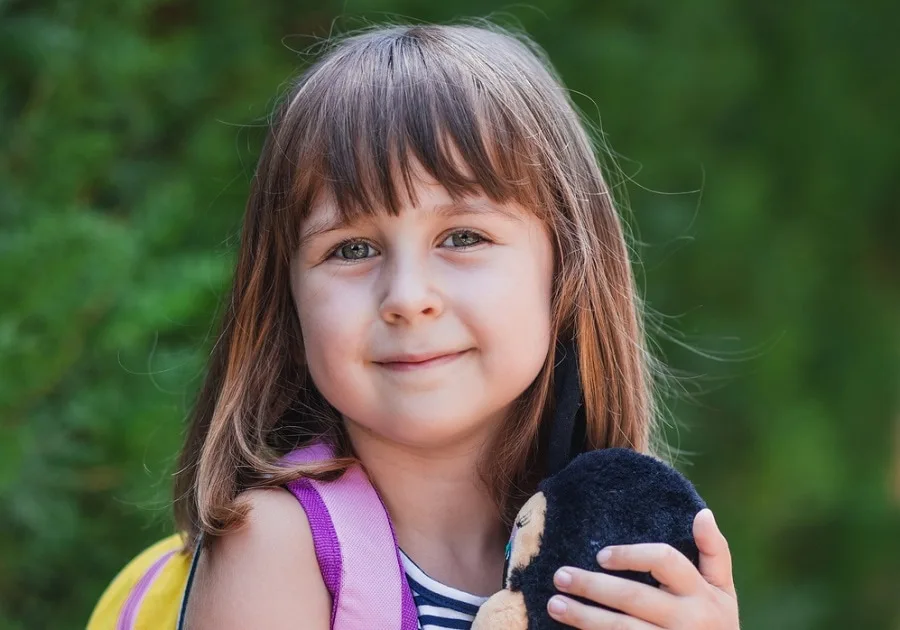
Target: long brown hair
483,112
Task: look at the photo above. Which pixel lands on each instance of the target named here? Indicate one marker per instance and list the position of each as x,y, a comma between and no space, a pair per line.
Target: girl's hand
687,599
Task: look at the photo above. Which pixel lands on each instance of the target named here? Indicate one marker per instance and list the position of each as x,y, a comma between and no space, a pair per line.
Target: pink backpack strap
356,548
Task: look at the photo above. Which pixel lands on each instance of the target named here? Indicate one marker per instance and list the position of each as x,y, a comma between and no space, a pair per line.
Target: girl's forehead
412,191
421,195
431,203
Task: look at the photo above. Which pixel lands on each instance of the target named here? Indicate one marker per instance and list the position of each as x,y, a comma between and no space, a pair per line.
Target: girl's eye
353,250
464,238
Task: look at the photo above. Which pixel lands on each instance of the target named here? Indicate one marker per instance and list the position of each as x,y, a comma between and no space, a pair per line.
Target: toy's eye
512,539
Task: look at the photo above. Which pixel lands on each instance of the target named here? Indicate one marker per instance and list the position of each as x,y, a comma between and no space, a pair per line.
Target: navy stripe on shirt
444,622
427,597
440,606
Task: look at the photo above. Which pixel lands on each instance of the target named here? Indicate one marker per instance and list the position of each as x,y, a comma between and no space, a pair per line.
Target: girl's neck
443,514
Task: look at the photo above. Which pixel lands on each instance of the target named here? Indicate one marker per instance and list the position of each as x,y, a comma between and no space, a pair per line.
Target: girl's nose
409,293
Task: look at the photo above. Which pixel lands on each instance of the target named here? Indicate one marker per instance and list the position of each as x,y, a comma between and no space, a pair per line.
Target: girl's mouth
409,363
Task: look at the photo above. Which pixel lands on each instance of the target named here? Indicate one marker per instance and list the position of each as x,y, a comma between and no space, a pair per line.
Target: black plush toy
612,496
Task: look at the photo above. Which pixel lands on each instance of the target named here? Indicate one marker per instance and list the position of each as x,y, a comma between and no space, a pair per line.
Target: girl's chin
426,432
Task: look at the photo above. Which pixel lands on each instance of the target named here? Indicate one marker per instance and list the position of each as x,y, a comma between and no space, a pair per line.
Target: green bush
758,144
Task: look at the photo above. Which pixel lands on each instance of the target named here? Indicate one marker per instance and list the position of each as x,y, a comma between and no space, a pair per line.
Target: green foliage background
760,144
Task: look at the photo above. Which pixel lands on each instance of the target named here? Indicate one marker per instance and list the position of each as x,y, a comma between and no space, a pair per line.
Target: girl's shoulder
264,574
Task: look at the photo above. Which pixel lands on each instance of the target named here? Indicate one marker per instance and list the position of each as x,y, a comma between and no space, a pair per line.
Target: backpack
354,543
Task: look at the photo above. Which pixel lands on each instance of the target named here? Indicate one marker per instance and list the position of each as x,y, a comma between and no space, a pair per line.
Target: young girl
426,224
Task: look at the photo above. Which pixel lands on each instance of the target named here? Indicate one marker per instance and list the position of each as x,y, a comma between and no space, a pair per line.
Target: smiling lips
410,362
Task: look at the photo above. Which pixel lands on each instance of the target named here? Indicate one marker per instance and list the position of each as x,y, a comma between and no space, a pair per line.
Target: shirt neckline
427,581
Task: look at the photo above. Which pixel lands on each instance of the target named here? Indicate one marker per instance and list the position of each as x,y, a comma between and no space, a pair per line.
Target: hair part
481,111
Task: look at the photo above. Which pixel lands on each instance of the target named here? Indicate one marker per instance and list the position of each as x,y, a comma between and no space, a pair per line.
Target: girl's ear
569,429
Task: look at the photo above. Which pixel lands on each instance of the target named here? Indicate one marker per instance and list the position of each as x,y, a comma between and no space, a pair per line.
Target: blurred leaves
758,143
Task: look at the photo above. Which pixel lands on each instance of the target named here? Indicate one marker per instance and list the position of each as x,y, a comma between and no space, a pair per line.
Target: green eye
353,250
463,239
508,550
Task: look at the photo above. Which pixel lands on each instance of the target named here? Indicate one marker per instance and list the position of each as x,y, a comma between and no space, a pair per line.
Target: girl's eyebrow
447,210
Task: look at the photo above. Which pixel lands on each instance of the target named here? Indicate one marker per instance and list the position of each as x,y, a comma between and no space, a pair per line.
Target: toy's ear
527,534
506,610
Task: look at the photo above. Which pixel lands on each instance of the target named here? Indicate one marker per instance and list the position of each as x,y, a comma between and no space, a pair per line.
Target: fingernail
712,516
604,555
557,606
562,578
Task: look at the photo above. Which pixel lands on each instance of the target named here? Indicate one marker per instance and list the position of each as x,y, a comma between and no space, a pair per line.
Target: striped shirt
440,606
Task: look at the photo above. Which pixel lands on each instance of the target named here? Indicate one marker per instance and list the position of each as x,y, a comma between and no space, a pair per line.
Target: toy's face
525,540
506,610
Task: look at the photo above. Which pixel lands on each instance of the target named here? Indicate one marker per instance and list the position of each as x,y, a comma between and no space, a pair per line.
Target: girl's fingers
639,600
578,615
715,557
666,564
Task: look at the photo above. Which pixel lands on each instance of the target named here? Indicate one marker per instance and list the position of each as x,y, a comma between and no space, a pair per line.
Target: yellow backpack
140,597
355,547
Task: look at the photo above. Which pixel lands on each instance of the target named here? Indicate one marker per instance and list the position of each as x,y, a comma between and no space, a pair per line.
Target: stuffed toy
612,496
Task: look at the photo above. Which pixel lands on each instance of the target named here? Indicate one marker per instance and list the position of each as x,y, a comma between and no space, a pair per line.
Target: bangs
385,109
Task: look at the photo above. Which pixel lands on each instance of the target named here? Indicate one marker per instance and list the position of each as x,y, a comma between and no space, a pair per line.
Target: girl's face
423,328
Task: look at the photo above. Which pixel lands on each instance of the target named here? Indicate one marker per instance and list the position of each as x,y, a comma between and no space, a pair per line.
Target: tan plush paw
503,611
